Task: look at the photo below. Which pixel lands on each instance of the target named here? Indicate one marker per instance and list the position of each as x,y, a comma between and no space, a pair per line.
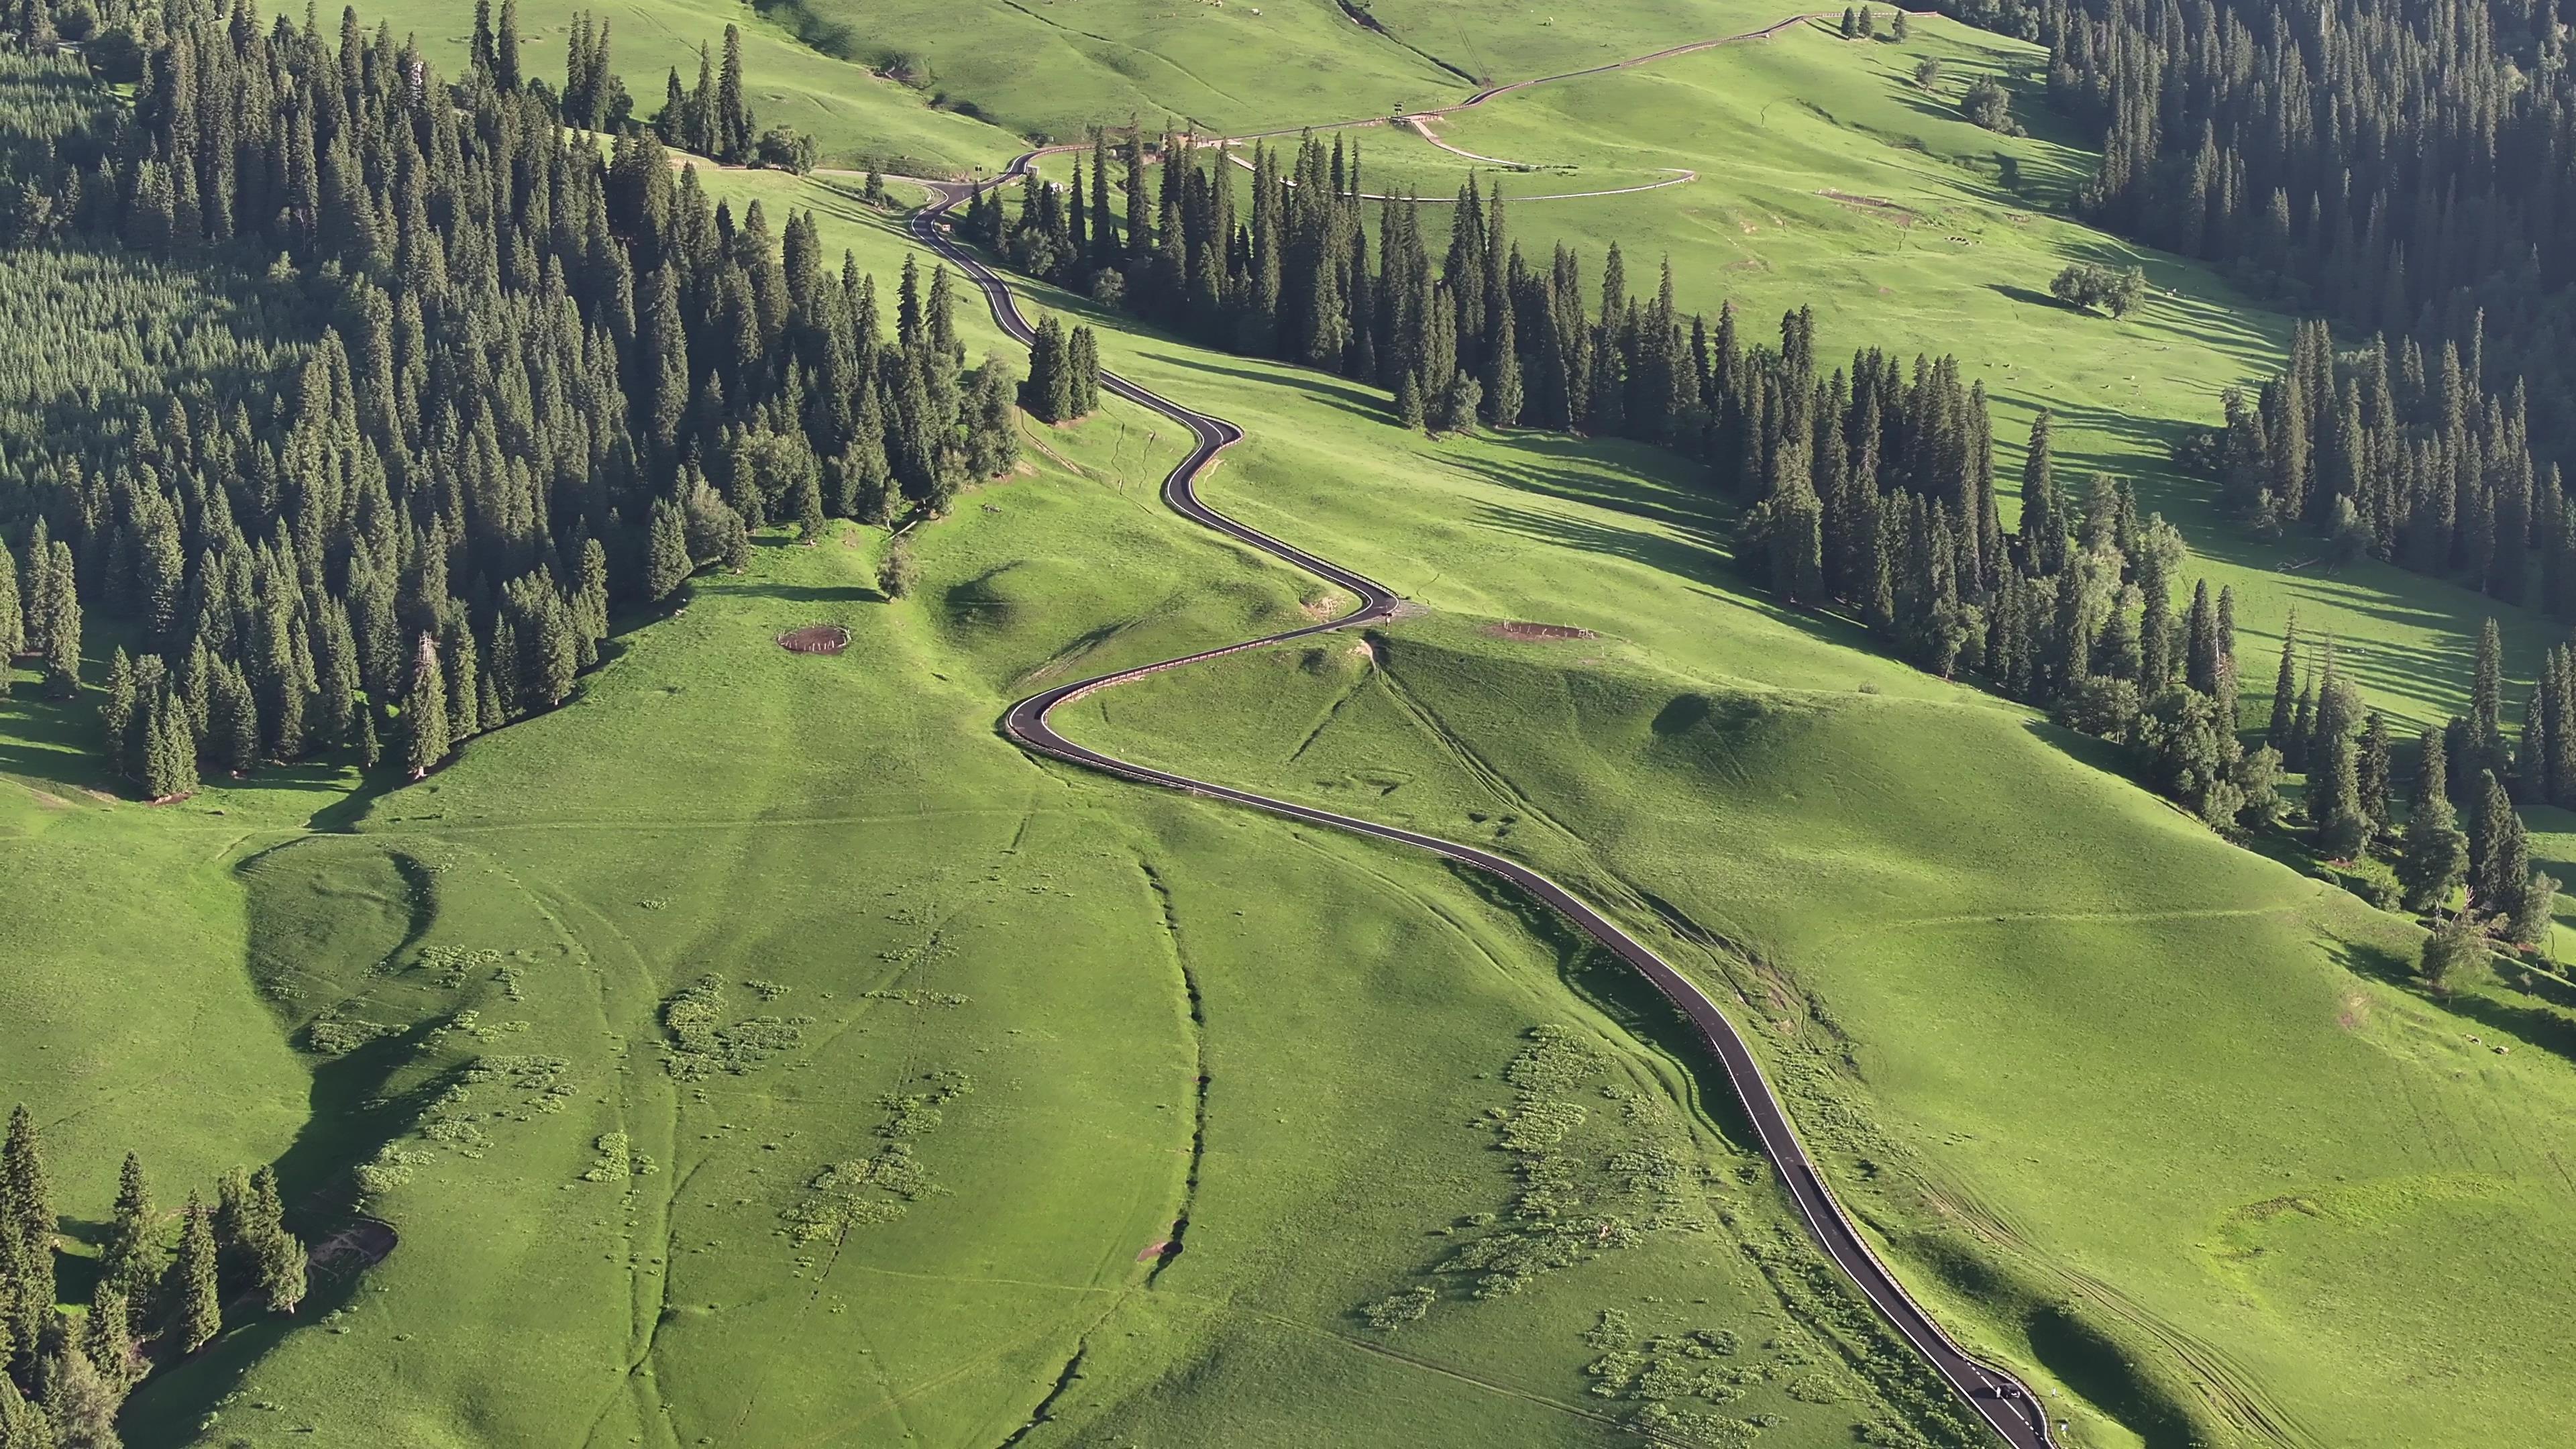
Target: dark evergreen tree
196,1304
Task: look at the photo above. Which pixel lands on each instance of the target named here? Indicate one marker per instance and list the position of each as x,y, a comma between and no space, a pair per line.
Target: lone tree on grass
2451,951
897,573
1989,105
1902,29
1927,73
2087,285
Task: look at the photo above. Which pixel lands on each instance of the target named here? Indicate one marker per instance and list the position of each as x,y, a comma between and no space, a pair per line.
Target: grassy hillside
857,116
1828,179
759,1050
1953,986
1054,67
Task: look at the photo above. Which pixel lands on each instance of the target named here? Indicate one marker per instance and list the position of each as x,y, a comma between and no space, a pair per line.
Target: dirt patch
1364,650
1529,633
1153,1250
2356,1012
360,1245
1329,606
1878,206
815,639
101,796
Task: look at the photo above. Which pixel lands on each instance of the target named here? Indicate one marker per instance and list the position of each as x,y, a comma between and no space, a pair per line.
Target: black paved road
1999,1399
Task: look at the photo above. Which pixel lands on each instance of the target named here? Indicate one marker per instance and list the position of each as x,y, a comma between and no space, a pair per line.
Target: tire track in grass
1993,1395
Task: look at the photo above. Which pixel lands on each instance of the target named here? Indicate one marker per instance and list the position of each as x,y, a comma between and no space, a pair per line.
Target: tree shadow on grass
1538,464
2536,1021
2028,297
809,593
1324,387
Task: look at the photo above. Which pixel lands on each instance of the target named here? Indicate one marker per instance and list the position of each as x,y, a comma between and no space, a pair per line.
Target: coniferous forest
2407,174
374,394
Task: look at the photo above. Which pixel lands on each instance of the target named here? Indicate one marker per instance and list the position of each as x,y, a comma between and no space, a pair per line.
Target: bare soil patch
1874,205
1529,633
815,639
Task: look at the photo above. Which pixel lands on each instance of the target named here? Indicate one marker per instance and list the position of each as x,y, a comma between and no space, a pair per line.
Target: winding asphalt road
1999,1399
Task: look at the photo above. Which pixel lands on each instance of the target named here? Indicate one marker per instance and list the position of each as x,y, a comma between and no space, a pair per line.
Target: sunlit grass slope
1056,67
2161,1118
857,116
1828,179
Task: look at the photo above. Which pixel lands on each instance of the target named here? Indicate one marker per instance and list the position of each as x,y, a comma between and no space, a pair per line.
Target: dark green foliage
2499,850
2087,285
2435,855
1989,105
425,712
130,1261
897,572
397,367
1048,393
190,1290
2455,948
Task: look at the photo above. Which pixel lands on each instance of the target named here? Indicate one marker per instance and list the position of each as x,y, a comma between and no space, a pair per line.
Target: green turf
857,116
1955,991
1053,68
1773,127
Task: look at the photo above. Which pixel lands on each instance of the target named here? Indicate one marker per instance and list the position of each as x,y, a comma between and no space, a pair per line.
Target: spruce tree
22,1424
27,1192
667,564
280,1255
62,625
1086,372
425,708
107,1337
130,1259
1047,395
505,48
116,712
79,1400
2285,688
196,1303
2499,851
13,624
2043,530
2486,701
2373,782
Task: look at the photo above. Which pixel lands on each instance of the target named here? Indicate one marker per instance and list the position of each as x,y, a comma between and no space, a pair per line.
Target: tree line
159,1295
1872,489
527,384
2392,452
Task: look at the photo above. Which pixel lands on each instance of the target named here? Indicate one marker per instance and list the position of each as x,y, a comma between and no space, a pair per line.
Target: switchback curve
2003,1402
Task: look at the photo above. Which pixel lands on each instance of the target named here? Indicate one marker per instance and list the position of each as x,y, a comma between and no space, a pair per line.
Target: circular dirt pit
815,639
1528,632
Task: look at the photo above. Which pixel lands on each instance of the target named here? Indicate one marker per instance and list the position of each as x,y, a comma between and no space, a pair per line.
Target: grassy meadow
1950,930
759,1050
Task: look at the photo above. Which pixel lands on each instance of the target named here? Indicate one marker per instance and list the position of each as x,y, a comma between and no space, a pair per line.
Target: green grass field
761,1051
857,116
1952,977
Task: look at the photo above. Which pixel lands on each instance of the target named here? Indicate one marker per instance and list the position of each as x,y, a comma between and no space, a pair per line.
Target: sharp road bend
2002,1401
